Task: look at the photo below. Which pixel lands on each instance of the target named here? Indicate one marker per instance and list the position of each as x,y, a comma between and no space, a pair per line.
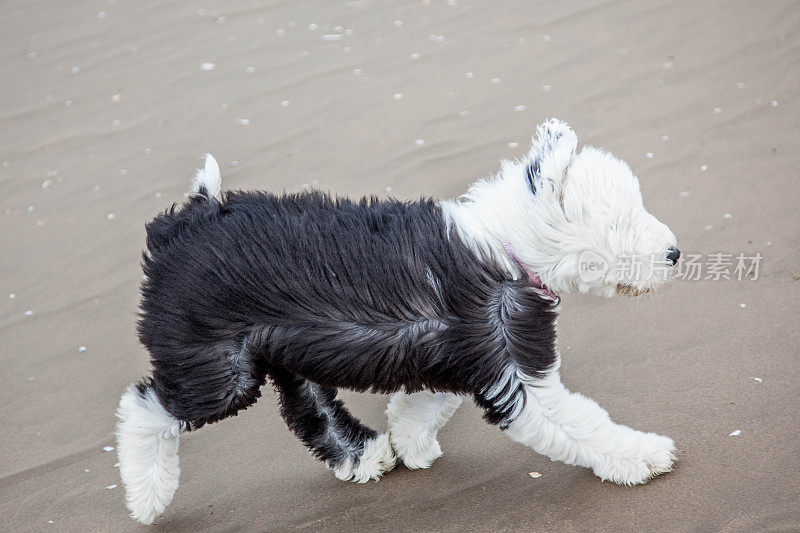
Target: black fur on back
374,295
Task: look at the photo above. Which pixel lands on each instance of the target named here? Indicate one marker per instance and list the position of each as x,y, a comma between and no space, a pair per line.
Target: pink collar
533,277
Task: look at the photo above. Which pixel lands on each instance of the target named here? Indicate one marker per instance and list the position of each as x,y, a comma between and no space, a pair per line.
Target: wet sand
105,109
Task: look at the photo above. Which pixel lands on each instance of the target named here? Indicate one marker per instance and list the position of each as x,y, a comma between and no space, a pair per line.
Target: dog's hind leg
147,446
352,450
414,421
206,385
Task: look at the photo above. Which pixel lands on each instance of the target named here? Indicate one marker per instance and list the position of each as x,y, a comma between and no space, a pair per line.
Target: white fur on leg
414,421
376,459
147,447
569,427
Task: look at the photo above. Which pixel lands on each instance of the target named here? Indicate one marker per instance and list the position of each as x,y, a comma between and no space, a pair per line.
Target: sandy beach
107,106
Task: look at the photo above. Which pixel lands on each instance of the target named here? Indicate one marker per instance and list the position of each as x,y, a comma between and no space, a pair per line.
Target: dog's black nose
673,254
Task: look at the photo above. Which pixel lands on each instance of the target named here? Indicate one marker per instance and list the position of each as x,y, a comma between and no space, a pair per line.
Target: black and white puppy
431,301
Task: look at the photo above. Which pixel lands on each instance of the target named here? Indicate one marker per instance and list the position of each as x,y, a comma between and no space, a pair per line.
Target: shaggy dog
431,301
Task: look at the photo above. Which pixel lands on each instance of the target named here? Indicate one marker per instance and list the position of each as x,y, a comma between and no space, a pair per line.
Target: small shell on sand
535,474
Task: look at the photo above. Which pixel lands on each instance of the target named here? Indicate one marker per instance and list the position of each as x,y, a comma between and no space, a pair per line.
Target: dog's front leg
414,421
572,428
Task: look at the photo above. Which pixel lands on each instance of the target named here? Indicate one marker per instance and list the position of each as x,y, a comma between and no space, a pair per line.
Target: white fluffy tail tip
147,447
208,178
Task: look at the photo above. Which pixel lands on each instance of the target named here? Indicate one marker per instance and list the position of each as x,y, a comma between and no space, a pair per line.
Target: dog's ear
551,153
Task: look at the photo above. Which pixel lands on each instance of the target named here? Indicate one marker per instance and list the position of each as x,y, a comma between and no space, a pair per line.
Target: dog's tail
147,447
207,180
204,196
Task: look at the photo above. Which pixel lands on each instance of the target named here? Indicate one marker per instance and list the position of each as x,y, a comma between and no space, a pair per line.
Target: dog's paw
377,458
652,455
419,452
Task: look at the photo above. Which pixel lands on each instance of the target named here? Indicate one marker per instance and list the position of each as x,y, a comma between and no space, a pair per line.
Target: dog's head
590,231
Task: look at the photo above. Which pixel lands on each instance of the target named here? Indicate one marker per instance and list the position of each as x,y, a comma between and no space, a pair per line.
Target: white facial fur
586,213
